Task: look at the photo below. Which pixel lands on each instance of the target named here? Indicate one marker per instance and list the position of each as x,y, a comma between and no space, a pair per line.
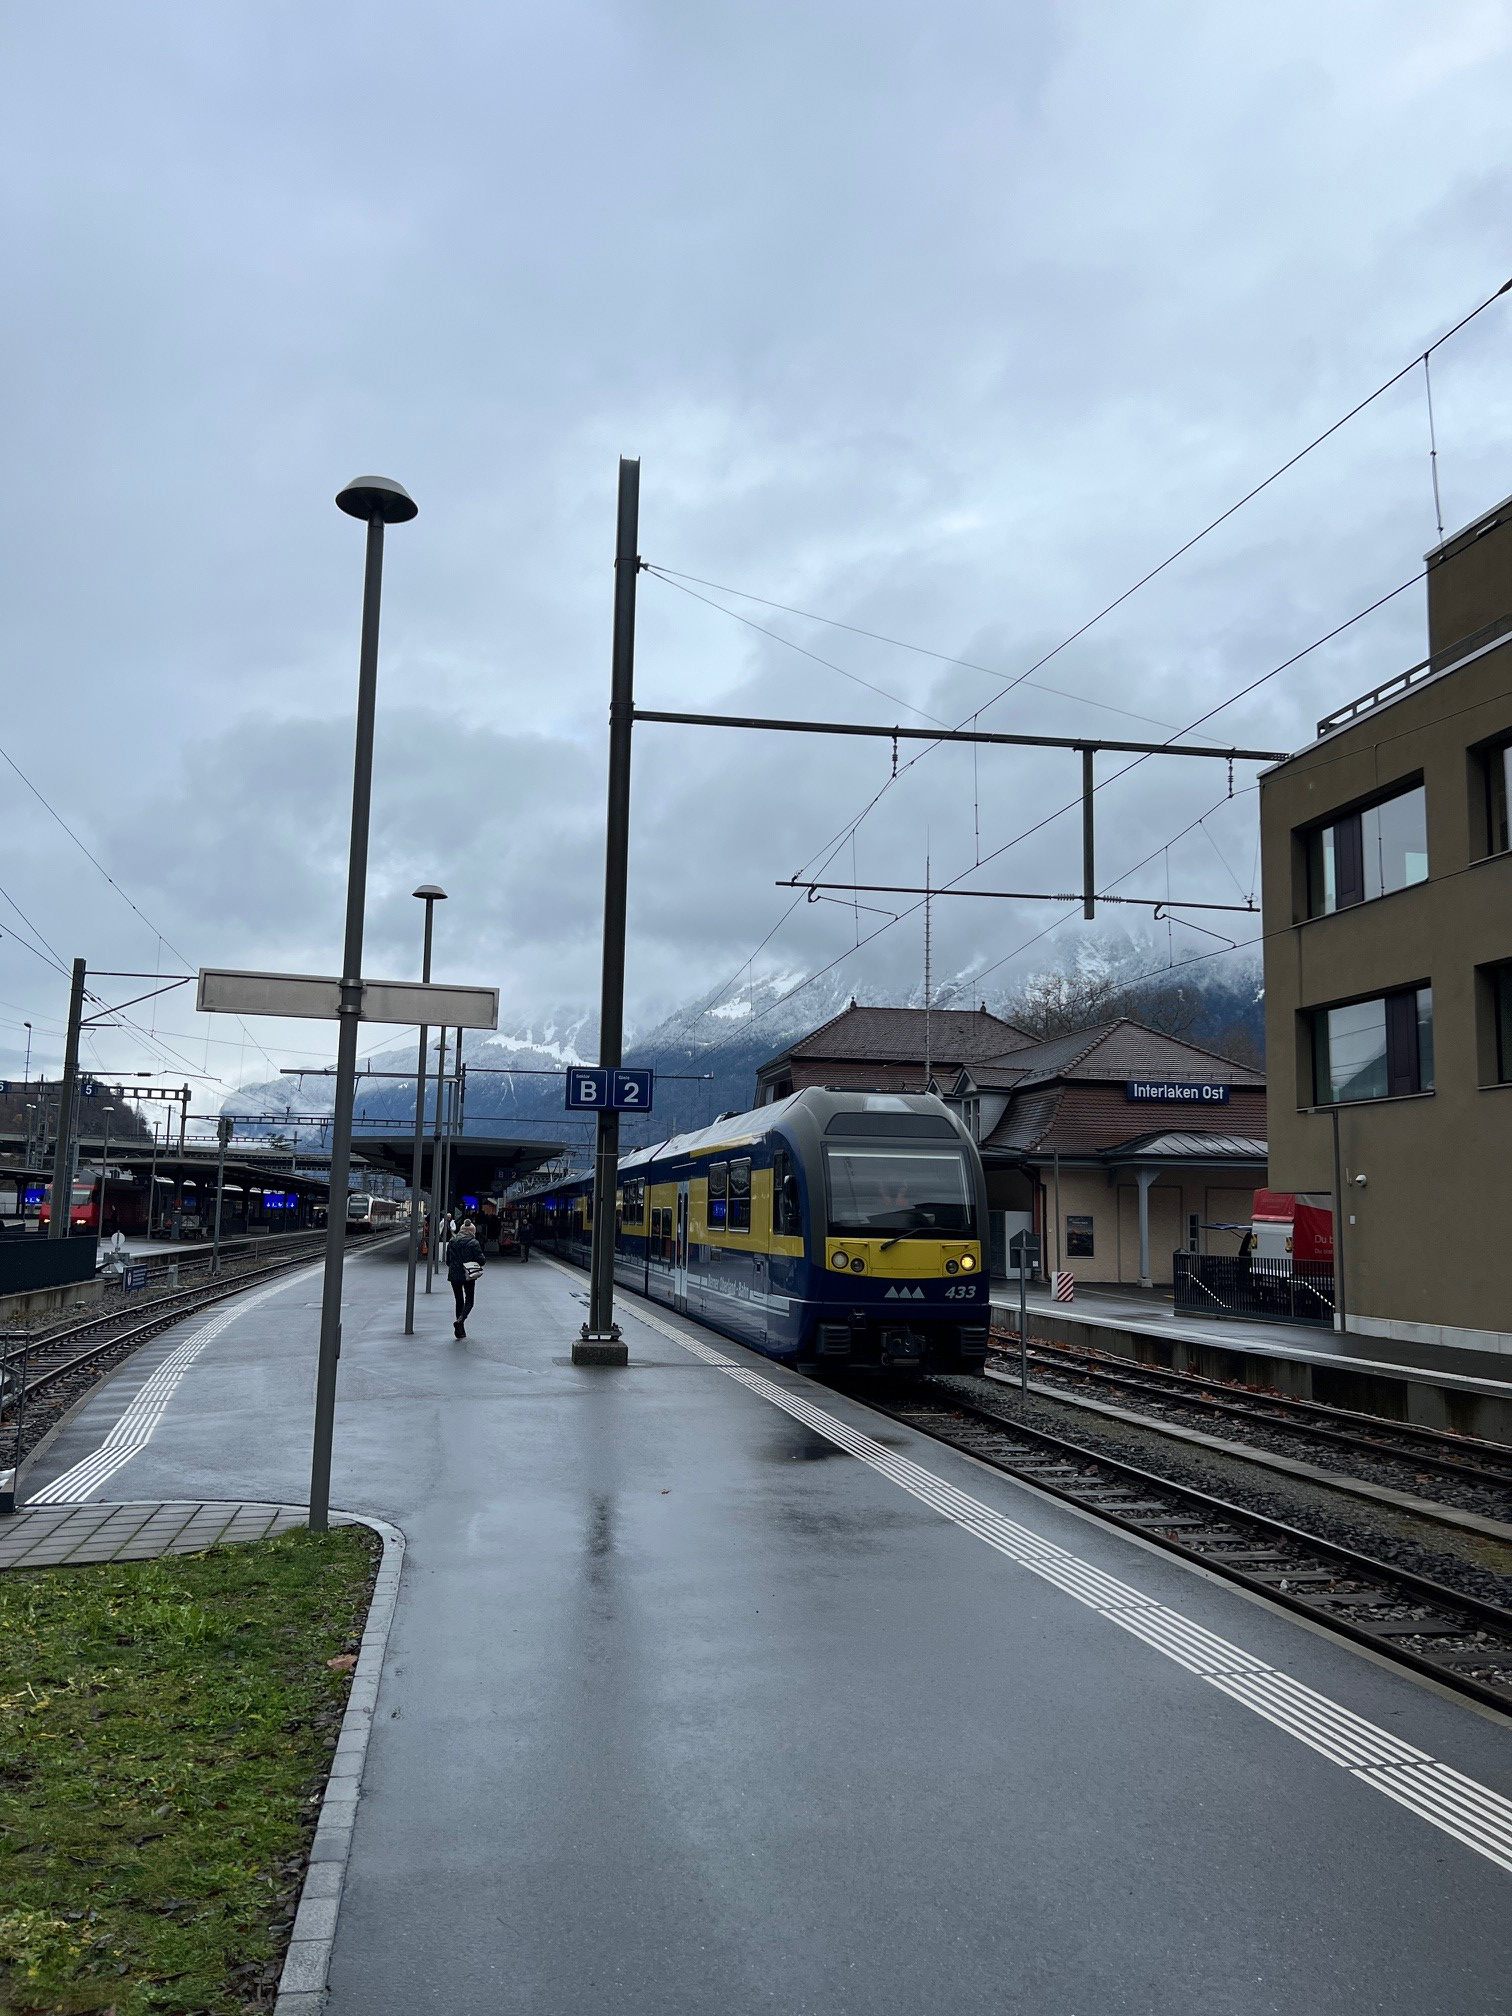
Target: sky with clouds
946,324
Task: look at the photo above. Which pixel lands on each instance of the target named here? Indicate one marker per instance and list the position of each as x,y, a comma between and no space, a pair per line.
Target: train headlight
841,1259
952,1267
858,1265
968,1263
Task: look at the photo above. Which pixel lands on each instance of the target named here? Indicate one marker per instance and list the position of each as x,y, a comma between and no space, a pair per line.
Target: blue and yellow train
828,1229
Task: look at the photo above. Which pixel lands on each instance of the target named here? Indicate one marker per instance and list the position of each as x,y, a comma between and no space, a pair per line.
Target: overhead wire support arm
1086,743
1156,903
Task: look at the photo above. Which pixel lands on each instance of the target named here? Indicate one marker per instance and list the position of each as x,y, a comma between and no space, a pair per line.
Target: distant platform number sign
595,1089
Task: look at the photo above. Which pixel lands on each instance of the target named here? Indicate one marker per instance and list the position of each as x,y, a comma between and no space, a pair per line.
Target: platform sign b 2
593,1088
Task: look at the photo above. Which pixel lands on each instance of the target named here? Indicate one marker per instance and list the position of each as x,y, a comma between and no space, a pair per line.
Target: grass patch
165,1727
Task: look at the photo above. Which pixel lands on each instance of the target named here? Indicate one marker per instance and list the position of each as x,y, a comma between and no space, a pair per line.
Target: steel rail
65,1332
165,1317
1408,1442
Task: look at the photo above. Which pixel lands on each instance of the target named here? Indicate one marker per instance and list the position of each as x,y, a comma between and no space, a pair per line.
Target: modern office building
1388,967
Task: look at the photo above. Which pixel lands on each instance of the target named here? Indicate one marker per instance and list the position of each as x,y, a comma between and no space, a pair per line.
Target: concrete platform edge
301,1987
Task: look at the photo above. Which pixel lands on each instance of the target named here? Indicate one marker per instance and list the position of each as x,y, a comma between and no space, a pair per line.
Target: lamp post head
377,497
429,893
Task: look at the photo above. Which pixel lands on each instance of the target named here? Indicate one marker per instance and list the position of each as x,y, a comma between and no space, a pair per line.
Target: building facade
1387,851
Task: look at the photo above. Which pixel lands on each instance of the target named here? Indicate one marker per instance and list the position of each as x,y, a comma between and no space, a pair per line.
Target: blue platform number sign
592,1088
631,1091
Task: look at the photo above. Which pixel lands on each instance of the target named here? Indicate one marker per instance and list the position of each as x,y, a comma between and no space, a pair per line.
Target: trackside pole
1023,1317
66,1145
600,1342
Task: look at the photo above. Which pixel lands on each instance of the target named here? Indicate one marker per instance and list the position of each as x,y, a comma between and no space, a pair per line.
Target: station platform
707,1689
1439,1385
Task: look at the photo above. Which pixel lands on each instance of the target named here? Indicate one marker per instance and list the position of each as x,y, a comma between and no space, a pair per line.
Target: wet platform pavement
709,1690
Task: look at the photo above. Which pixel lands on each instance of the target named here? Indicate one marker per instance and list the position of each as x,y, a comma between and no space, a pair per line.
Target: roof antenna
1438,509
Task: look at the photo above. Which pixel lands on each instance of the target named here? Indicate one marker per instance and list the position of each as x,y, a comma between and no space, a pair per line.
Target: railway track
1462,1641
41,1376
1455,1470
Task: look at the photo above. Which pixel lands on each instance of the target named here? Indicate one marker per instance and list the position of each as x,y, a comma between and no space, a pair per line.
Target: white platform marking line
139,1421
1470,1812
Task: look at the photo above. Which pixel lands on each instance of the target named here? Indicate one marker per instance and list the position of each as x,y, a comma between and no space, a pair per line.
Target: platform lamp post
378,501
430,896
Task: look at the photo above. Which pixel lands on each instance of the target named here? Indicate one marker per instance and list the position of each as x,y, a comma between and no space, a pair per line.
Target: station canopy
482,1164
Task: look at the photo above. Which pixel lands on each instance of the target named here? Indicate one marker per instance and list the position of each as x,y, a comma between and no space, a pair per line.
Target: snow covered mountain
706,1053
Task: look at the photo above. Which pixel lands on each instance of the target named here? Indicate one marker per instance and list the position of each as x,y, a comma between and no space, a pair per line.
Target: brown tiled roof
1027,1121
1119,1050
896,1036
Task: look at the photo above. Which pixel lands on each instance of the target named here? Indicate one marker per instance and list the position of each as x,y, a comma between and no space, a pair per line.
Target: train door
680,1252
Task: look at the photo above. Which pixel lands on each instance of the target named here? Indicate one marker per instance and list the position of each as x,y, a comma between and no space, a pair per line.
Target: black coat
458,1252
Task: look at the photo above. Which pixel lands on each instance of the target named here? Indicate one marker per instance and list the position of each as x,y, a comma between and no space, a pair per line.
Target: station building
886,1050
1117,1145
1387,850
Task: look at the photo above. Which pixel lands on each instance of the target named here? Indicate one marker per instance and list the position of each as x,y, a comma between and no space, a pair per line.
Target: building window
971,1114
1194,1232
1369,853
739,1219
1498,980
1498,779
1377,1049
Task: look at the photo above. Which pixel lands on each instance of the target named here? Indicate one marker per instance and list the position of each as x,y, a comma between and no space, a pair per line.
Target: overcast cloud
946,325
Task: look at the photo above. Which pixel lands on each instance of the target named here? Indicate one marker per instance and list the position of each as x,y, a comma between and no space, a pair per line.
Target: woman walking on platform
464,1263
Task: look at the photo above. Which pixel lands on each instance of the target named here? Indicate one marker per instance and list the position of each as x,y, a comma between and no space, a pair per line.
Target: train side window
785,1219
718,1194
740,1195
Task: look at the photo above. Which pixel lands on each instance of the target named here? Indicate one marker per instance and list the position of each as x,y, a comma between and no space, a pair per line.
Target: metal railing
1448,660
1280,1291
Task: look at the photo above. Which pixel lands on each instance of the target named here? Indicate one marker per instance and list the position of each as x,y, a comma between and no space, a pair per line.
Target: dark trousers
464,1292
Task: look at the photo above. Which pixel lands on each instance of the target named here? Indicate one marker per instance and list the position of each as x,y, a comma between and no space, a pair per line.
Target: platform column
1146,1178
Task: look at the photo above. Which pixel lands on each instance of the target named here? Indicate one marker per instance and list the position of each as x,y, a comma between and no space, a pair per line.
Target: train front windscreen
900,1192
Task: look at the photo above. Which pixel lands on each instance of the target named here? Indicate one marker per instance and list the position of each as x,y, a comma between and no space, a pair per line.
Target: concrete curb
302,1985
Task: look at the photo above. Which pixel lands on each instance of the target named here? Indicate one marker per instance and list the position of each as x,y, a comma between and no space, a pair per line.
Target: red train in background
125,1205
